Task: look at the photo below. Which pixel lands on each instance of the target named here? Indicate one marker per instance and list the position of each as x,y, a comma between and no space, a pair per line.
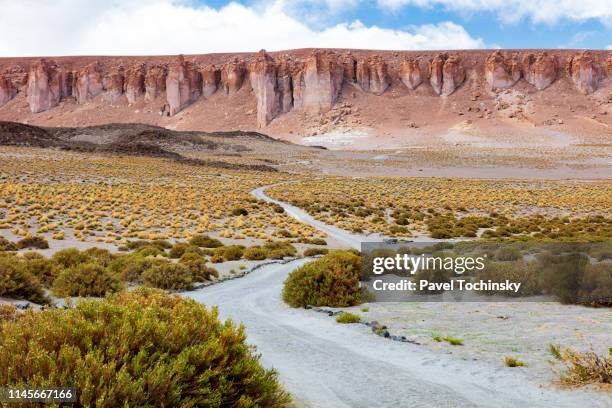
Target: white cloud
139,27
609,47
539,11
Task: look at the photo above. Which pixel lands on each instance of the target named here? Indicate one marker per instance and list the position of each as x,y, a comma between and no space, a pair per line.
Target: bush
515,271
582,368
44,269
347,318
178,250
87,279
167,275
227,253
508,253
204,241
37,242
255,253
239,211
149,250
70,257
315,251
6,245
332,280
146,348
17,283
197,266
279,249
130,267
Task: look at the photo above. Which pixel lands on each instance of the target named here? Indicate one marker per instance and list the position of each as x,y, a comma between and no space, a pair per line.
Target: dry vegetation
91,198
449,208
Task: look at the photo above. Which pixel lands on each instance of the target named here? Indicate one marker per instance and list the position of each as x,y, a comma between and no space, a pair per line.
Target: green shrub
255,253
69,257
347,318
140,349
227,253
508,253
88,279
332,280
149,250
17,283
526,273
582,368
315,251
197,265
596,285
167,275
514,362
37,242
449,339
101,256
130,267
6,245
239,211
204,241
279,249
178,250
44,269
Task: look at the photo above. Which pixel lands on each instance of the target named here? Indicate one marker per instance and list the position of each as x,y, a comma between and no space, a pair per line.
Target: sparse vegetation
514,362
348,318
449,339
582,368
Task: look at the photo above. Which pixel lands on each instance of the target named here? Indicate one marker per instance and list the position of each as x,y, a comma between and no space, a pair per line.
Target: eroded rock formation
284,82
232,76
410,73
540,69
263,76
585,73
46,86
447,74
211,76
372,75
88,83
113,83
502,72
155,82
183,85
319,84
7,90
135,82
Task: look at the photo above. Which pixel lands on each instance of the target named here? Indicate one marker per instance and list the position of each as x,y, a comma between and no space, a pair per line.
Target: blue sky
139,27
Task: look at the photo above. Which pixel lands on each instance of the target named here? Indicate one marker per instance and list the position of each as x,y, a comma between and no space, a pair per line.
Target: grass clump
227,253
348,318
204,241
582,368
17,283
449,339
196,264
37,242
167,275
146,347
87,279
6,245
332,280
315,251
514,362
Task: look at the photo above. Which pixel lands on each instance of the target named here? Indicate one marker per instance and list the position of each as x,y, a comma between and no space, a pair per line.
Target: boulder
585,73
232,76
372,75
135,82
113,83
183,85
45,86
88,83
211,76
501,72
155,82
7,90
319,83
410,73
263,75
540,69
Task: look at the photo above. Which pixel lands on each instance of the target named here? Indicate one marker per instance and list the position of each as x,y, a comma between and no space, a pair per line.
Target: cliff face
306,80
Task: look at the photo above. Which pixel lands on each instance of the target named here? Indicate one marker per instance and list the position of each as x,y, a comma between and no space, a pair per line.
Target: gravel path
325,364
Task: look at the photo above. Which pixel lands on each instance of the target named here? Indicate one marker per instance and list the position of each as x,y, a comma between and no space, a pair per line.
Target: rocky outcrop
410,73
540,70
155,82
284,83
609,66
45,85
211,76
183,85
372,75
502,72
88,83
447,74
7,90
135,83
263,76
585,73
113,83
318,85
349,65
232,76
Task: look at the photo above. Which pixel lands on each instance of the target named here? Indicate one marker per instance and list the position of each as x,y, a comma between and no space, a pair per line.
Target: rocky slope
293,90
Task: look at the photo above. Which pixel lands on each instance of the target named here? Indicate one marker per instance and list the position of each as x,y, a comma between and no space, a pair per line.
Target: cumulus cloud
139,27
539,11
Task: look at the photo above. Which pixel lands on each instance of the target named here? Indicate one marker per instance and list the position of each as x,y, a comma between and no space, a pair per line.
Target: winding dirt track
324,364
